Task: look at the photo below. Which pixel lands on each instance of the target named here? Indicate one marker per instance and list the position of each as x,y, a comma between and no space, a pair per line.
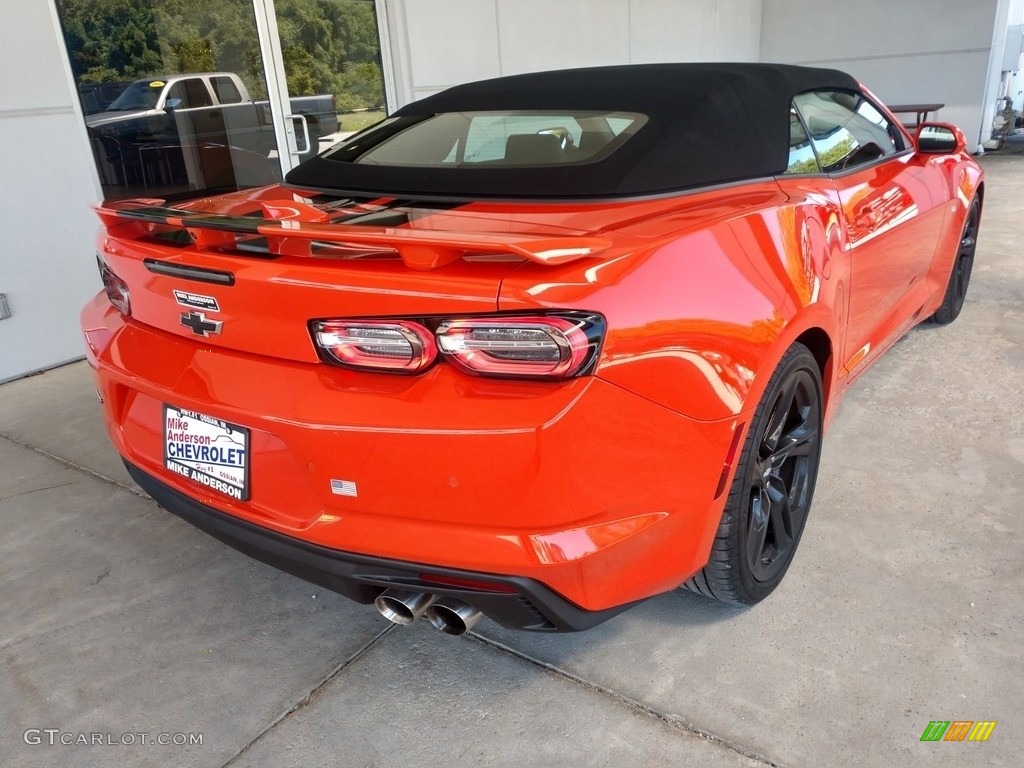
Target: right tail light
544,347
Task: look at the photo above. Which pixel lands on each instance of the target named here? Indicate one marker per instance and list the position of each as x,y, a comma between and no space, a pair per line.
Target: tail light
556,346
398,346
115,288
550,347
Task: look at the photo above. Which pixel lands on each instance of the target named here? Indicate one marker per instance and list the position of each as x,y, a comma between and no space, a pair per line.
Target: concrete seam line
673,721
67,463
305,700
36,490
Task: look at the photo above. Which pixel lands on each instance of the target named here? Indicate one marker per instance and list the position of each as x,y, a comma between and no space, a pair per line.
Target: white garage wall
937,52
47,263
438,43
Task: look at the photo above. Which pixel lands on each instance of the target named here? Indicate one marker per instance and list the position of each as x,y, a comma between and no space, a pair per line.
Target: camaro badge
196,301
200,325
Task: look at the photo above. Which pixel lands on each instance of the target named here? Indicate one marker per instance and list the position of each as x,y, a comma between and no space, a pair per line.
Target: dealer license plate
209,451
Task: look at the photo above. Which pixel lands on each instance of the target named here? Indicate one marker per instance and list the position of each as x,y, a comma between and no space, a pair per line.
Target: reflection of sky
839,136
802,157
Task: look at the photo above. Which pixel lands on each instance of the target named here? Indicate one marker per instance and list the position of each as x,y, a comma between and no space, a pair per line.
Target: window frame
810,143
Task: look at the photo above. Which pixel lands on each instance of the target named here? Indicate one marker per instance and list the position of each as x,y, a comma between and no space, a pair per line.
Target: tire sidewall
950,310
797,358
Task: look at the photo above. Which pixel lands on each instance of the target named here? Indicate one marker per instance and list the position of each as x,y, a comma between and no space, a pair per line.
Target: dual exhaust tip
448,614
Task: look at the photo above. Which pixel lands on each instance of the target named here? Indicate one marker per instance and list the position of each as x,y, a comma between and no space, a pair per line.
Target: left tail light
398,346
115,288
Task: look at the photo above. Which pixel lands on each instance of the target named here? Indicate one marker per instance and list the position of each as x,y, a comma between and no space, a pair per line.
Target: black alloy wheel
781,477
960,276
772,488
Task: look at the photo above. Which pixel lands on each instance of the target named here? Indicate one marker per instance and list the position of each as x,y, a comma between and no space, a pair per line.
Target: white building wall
439,43
1014,65
47,263
937,51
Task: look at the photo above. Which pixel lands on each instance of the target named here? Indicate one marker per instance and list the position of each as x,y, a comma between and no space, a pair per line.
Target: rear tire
771,491
960,276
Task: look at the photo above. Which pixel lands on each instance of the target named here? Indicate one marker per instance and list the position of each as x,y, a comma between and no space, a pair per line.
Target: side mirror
172,104
939,139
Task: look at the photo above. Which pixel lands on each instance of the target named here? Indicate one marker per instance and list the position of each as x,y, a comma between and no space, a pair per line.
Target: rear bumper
529,605
583,495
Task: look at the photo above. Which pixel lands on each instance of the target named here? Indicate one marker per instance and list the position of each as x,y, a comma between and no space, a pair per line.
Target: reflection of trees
808,165
834,155
329,47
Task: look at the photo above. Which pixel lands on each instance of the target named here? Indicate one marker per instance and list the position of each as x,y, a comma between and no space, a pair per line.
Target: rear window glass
503,139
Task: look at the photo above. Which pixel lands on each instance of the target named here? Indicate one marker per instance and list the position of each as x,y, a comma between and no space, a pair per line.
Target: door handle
305,132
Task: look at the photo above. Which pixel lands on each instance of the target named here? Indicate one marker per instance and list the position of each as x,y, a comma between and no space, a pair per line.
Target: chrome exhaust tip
401,607
452,616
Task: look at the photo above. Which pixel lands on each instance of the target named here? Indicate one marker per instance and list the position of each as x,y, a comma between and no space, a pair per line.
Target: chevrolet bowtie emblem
199,324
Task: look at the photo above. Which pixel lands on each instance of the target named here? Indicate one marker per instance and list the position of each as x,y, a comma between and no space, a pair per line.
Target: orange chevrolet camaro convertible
534,348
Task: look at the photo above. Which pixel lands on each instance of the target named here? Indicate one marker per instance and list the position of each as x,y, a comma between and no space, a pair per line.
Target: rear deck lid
251,271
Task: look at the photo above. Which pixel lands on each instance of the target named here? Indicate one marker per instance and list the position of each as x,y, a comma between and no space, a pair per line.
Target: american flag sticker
343,488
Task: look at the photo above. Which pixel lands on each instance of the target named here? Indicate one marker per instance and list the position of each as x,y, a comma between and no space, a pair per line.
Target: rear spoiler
293,228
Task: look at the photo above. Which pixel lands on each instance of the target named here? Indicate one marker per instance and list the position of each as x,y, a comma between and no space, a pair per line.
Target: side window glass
186,94
618,124
846,129
801,154
869,112
198,95
226,90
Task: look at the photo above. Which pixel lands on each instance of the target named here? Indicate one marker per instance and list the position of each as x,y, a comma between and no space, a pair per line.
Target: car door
892,219
243,124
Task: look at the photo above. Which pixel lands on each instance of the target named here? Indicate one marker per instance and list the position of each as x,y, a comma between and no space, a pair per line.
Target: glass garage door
184,98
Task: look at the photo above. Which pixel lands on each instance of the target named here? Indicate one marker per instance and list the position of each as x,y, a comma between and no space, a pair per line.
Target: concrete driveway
120,624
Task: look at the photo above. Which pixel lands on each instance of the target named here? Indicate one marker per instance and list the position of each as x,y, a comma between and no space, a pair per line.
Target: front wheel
960,277
771,492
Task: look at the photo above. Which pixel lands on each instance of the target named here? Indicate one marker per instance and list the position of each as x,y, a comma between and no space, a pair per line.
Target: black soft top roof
707,124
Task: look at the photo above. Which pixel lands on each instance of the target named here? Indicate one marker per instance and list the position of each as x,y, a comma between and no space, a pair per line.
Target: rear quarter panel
702,310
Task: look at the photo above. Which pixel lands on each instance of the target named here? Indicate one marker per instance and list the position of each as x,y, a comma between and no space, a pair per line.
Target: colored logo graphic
958,730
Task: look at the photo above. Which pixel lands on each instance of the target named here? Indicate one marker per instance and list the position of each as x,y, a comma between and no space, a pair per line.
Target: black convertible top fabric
707,124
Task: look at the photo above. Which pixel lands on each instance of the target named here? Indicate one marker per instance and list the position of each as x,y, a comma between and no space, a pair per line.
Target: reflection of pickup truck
211,107
96,97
